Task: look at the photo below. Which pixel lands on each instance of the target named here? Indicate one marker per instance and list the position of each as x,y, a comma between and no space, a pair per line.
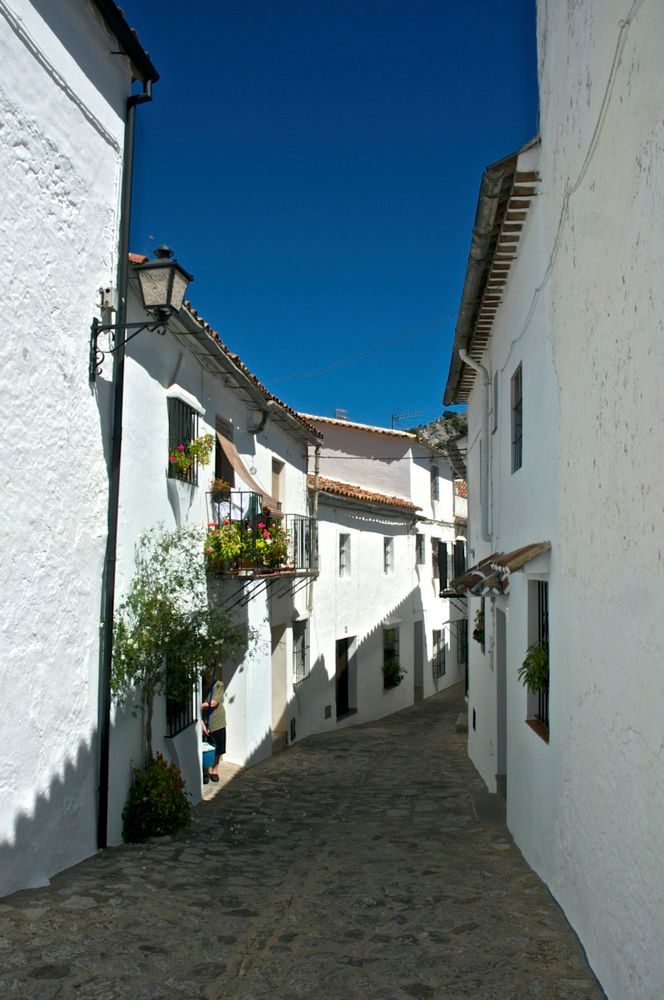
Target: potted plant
393,673
478,631
270,543
534,671
223,544
183,457
219,489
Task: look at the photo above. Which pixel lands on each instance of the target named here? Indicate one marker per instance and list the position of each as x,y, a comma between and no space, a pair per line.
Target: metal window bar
543,639
180,714
438,662
182,429
517,420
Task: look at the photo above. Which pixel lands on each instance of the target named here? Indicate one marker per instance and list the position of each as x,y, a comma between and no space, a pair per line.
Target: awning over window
491,575
231,453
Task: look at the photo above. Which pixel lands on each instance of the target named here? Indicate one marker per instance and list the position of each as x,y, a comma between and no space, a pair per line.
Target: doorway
418,661
342,677
279,689
501,703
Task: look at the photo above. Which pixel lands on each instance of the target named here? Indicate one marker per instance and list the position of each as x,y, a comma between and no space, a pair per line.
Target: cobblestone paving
356,864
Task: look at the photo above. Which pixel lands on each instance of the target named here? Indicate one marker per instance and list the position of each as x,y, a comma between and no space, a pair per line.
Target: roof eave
128,40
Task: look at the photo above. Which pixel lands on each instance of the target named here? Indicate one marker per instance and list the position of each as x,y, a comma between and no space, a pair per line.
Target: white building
561,318
64,93
389,532
180,386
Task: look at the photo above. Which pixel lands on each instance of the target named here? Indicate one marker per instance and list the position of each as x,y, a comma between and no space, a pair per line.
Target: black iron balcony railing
245,535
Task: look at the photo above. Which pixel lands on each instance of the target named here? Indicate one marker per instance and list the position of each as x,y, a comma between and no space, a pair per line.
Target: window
435,483
390,653
543,640
388,555
344,555
419,549
223,468
438,658
180,712
277,475
462,641
182,429
300,650
517,420
459,557
441,560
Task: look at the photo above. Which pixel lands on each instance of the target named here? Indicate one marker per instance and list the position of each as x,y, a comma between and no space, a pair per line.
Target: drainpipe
114,473
484,439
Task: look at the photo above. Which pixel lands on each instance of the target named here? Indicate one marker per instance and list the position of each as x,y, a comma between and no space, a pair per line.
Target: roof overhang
128,40
491,575
502,209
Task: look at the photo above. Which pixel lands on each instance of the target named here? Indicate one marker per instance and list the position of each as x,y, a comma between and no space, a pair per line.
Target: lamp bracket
97,355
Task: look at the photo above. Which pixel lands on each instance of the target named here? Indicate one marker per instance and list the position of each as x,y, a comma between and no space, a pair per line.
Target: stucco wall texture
601,66
583,312
60,163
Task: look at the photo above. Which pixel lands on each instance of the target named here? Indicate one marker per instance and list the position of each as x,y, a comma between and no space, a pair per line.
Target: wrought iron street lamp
163,283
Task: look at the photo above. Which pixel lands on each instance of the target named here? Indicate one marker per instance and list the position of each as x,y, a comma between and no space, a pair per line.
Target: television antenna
402,416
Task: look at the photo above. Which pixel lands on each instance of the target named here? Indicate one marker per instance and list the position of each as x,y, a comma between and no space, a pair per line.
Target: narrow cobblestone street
365,863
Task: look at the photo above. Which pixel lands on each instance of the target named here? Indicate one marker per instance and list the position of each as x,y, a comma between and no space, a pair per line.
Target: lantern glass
154,286
163,282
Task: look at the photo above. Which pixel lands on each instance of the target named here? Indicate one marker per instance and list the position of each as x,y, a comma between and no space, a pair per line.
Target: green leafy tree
166,630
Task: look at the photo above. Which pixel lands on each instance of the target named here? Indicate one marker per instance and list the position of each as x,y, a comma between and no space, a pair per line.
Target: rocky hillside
444,433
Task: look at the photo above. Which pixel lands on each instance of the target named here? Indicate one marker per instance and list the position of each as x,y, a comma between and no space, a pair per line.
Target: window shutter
459,558
442,567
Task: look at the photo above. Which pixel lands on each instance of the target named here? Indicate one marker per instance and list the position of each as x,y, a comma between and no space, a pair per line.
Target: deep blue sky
315,164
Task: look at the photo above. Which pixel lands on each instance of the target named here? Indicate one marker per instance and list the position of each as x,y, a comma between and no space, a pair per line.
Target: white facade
188,363
62,106
374,500
582,313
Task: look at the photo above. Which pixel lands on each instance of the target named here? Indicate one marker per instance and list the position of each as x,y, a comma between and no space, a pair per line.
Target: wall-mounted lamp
163,284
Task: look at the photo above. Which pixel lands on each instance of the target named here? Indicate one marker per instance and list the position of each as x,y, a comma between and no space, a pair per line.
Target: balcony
247,537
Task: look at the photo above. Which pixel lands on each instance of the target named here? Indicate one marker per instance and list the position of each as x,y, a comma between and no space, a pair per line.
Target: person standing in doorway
215,721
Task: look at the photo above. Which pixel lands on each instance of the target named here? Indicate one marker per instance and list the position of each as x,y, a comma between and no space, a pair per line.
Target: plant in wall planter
534,671
182,458
478,631
393,674
223,544
219,490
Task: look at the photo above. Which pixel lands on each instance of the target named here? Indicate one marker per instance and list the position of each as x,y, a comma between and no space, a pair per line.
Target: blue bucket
209,753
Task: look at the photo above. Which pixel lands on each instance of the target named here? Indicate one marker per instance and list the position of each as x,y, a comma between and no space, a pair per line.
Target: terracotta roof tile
358,493
391,432
461,488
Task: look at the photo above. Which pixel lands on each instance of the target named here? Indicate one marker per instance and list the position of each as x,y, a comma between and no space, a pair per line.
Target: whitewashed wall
607,314
60,162
358,606
585,808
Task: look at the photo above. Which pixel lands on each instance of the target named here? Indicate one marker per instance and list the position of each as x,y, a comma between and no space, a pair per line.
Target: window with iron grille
182,429
517,419
390,644
462,641
388,555
419,549
180,713
344,554
300,650
543,639
435,483
438,658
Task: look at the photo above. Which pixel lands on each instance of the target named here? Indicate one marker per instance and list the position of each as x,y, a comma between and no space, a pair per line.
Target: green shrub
534,671
392,673
157,804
